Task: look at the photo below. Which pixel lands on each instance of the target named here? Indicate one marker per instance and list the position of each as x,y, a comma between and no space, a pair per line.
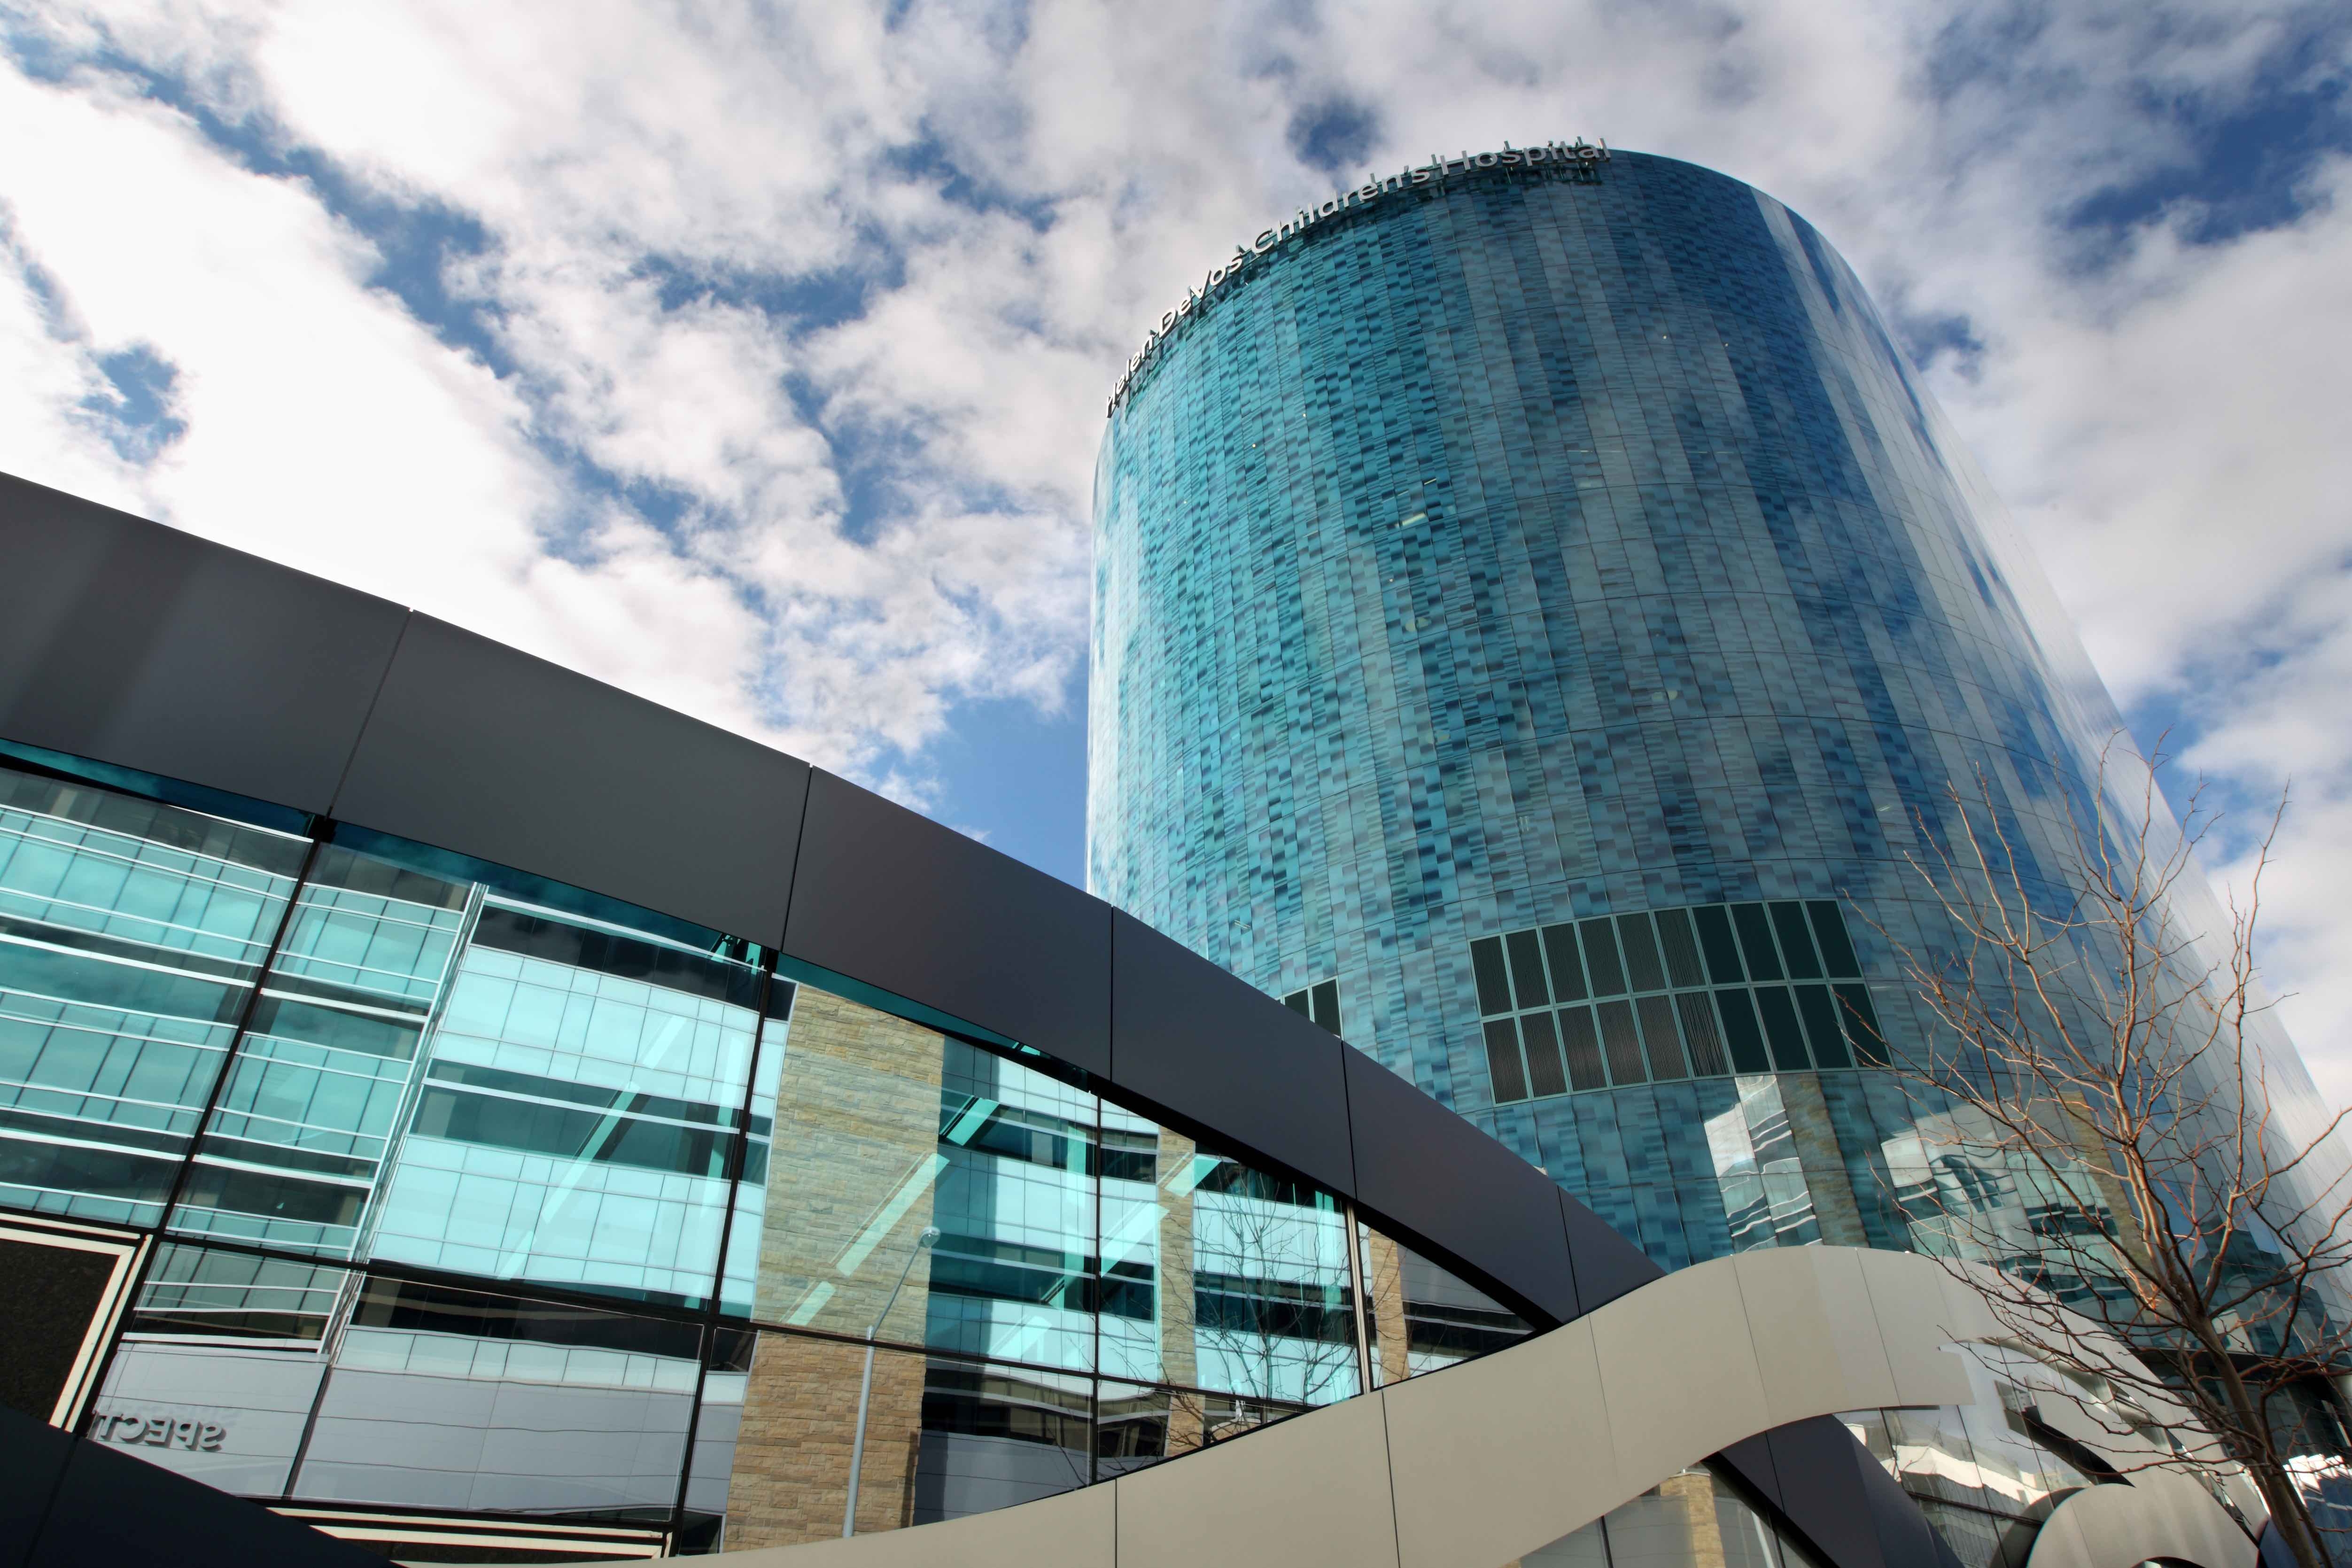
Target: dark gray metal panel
886,896
1607,1264
113,1509
1750,1461
149,648
37,1454
1219,1056
1456,1190
476,747
1845,1505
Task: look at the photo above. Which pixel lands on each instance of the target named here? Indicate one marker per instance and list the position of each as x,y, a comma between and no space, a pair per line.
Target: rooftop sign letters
1574,160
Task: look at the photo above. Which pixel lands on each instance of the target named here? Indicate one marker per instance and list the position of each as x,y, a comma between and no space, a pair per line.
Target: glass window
1487,969
1320,1002
1221,1277
1829,930
1699,1033
917,1187
219,1362
1796,946
1582,1045
1662,1048
1502,1061
1545,1075
1600,956
992,1436
1694,1521
131,936
443,1071
1137,1426
582,1086
1327,1006
1421,1316
942,1437
1861,1020
1780,1016
1567,969
1527,969
1756,941
1819,1011
1665,1038
1681,948
1715,936
466,1400
1622,1045
1739,1028
1642,965
307,1121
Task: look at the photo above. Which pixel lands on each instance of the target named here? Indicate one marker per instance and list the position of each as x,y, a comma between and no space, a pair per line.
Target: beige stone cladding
851,1170
851,1173
791,1480
1818,1157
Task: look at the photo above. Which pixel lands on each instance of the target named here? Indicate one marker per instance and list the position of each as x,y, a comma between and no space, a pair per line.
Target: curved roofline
146,649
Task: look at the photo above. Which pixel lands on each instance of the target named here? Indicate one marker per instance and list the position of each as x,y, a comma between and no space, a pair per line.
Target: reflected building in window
482,1199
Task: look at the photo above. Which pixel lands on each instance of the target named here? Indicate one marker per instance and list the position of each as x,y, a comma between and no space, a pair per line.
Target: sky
752,357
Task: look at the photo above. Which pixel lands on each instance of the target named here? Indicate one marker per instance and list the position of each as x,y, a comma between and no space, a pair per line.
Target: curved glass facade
486,1210
1546,609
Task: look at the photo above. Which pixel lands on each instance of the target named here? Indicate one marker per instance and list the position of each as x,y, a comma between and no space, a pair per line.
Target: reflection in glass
305,1124
883,1129
577,1110
1220,1276
1136,1427
219,1366
1421,1317
944,1437
1693,1520
131,935
463,1400
1989,1472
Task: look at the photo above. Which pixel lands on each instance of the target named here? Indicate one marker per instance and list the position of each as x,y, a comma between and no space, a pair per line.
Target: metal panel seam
800,840
359,736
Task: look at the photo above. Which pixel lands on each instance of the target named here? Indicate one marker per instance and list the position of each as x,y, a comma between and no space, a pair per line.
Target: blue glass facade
1506,549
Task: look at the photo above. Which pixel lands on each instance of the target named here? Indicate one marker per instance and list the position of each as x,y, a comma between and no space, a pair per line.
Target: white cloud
833,527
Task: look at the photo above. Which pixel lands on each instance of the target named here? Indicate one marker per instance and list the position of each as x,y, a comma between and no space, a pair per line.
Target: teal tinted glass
582,1086
916,1186
1221,1277
321,1083
131,936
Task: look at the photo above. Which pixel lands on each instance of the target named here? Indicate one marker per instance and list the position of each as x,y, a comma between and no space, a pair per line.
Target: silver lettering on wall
158,1431
1576,159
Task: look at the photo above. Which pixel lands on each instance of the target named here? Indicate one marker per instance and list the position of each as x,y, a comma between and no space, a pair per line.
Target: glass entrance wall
479,1196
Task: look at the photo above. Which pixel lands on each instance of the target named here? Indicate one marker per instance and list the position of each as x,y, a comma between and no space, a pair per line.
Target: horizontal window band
502,1081
90,1133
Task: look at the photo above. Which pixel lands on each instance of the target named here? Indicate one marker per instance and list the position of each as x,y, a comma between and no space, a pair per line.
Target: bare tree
1267,1301
2103,1132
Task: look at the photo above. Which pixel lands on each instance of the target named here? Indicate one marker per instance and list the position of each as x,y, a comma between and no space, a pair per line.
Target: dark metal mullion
739,1154
204,1119
1095,1292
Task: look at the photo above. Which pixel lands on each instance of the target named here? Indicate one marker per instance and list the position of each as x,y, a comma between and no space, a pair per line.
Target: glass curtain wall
479,1196
132,934
1694,1521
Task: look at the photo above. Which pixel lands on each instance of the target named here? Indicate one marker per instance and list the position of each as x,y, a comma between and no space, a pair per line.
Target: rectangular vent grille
1656,995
